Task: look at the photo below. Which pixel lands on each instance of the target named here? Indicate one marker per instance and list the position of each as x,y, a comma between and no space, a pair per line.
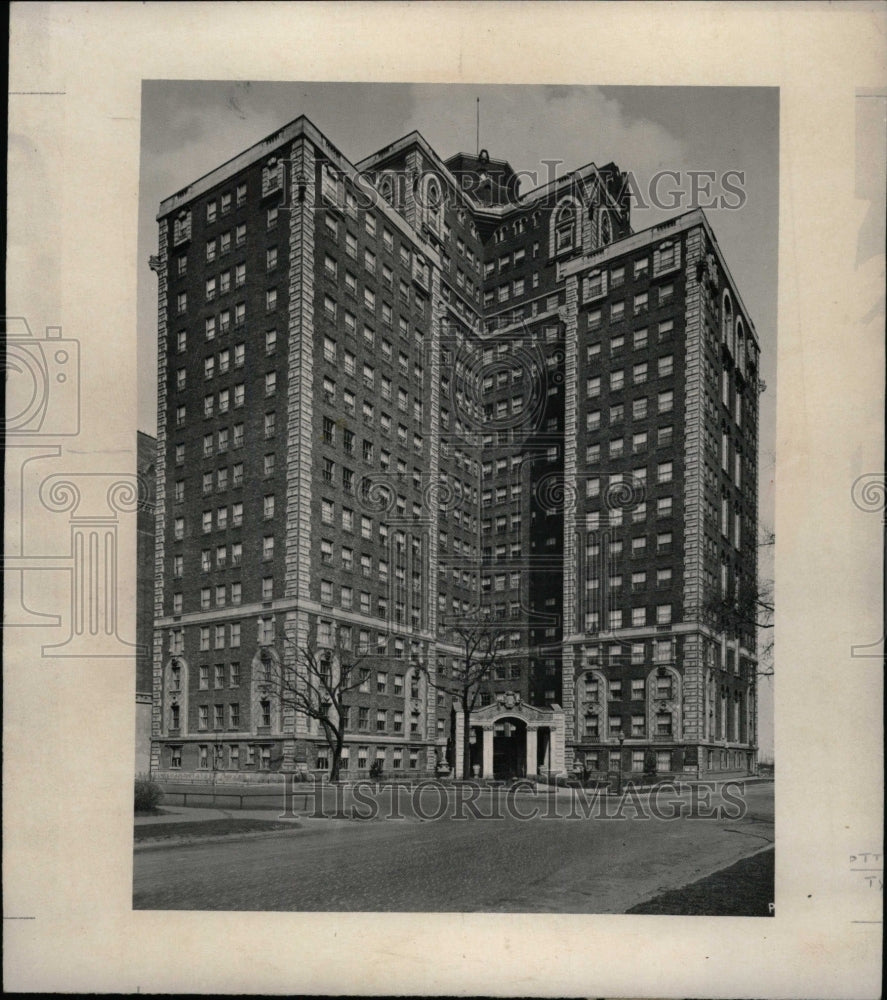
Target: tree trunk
466,740
337,754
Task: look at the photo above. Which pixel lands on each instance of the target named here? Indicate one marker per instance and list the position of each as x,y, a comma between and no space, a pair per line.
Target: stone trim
300,384
694,482
160,492
572,555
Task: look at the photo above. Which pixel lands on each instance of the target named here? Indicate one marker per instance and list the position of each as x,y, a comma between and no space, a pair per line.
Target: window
665,401
663,614
617,380
182,227
666,257
267,547
595,285
614,693
664,472
666,365
641,301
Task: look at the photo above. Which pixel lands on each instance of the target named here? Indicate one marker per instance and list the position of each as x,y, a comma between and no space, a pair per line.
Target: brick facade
378,418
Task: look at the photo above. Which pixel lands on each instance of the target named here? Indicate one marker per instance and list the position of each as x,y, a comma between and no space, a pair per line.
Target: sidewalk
177,825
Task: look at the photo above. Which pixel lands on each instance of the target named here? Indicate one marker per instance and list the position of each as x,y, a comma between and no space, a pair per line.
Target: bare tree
748,610
480,646
317,684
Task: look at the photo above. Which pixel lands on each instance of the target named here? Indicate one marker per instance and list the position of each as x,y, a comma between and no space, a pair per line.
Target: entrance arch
509,748
510,738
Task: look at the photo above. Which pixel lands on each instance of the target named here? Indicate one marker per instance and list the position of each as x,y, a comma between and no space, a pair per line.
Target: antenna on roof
477,150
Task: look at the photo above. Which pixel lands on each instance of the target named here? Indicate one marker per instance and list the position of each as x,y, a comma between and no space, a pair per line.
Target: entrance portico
512,739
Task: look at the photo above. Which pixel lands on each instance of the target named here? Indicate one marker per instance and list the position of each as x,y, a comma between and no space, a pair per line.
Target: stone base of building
256,759
637,758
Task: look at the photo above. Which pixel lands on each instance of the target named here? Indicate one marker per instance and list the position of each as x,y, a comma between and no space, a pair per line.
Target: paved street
584,865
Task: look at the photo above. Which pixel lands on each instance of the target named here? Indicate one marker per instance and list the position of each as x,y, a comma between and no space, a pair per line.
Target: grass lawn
742,890
209,828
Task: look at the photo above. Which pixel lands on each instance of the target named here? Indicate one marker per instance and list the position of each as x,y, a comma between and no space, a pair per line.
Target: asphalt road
553,865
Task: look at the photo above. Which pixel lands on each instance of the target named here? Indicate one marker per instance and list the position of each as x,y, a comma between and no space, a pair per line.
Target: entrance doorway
510,748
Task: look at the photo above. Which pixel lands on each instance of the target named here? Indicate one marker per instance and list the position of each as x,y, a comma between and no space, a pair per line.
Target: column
487,771
532,753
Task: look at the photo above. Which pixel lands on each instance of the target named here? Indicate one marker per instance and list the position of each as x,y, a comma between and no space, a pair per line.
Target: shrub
147,795
376,769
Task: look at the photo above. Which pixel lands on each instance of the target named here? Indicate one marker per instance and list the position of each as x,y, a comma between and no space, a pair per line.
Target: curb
159,843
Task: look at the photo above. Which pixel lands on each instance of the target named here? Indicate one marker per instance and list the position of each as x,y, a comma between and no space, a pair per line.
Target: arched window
175,694
433,203
591,703
664,702
727,320
565,221
605,228
740,345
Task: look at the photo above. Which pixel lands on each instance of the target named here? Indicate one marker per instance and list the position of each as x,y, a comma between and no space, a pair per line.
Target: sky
190,127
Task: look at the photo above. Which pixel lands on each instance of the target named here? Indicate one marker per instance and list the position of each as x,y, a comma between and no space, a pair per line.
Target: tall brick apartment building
400,395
